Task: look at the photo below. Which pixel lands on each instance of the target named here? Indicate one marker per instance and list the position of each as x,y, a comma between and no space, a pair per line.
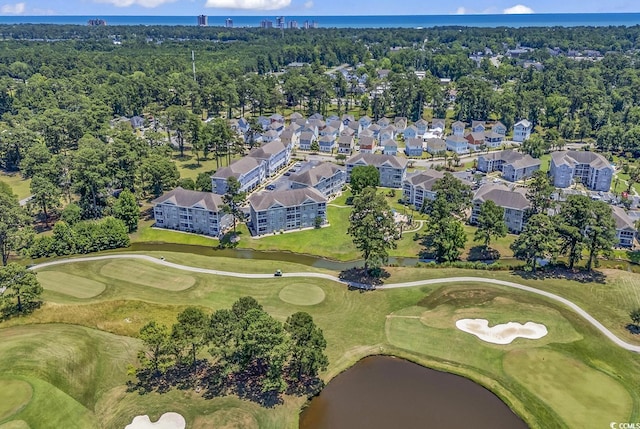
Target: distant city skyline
308,7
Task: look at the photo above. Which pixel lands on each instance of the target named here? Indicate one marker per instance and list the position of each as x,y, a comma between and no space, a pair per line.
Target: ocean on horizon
357,21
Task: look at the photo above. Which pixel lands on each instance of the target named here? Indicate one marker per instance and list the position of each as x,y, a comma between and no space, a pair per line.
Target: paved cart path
599,326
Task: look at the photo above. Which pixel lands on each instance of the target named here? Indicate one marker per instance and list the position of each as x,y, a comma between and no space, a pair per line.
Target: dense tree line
250,353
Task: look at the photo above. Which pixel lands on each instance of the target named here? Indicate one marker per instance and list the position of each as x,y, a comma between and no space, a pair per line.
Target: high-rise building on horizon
280,22
228,23
265,23
293,24
203,20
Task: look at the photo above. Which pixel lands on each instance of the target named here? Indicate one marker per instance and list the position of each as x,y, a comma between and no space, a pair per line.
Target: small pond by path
383,392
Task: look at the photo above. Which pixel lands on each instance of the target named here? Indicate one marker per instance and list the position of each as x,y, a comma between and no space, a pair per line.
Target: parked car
278,273
271,187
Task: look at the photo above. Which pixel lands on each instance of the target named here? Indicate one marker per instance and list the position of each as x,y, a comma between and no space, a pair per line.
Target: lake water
383,392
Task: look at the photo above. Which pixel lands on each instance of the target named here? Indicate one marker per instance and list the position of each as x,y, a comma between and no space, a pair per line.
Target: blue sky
308,7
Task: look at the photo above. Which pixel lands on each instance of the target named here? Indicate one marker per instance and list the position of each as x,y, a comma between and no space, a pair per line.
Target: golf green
302,294
14,395
68,284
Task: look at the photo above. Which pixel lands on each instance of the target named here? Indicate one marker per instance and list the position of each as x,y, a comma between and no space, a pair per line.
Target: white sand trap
501,334
166,421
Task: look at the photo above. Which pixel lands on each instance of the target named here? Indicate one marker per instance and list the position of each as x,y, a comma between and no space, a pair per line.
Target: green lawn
189,168
74,352
19,186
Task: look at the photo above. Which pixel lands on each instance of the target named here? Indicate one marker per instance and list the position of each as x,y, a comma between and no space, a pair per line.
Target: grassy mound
69,284
302,294
146,274
14,395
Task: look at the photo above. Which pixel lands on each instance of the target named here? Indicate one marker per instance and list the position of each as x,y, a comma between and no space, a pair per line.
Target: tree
262,348
203,182
635,316
307,355
126,209
21,288
71,214
233,200
600,232
534,146
363,176
45,194
452,198
372,227
13,225
155,338
445,239
490,223
537,240
315,146
190,331
157,174
539,192
573,218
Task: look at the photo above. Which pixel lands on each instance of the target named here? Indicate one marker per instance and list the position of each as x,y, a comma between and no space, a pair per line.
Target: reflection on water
387,393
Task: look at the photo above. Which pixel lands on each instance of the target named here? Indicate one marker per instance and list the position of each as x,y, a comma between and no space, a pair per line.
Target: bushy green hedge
83,237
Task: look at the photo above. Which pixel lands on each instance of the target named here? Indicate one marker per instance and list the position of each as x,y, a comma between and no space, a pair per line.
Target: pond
313,261
383,392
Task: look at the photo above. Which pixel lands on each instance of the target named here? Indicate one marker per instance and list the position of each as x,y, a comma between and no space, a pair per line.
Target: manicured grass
147,234
415,323
189,169
14,395
19,186
581,395
302,294
147,275
68,284
15,424
545,162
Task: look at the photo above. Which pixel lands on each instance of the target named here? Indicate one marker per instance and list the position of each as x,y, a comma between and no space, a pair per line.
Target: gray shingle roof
436,143
367,141
315,174
237,168
424,179
378,160
622,219
573,157
503,196
186,198
287,198
414,143
267,150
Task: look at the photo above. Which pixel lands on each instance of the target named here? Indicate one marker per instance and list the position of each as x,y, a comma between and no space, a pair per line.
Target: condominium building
326,177
512,200
625,227
417,187
513,165
191,211
393,170
589,168
287,210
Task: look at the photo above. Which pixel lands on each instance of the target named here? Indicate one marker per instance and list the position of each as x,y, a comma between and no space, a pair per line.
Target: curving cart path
599,326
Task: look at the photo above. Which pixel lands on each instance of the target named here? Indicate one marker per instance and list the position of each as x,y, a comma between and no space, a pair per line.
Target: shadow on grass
634,329
359,278
562,273
482,253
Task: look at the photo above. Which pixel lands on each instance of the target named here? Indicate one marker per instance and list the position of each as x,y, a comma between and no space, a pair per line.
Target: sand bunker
166,421
501,334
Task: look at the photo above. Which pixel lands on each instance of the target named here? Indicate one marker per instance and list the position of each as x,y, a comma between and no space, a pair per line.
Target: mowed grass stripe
15,424
147,275
581,395
14,395
68,284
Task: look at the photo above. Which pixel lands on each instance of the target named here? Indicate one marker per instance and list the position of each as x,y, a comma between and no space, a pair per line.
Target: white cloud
249,4
518,9
13,9
461,10
308,4
143,3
